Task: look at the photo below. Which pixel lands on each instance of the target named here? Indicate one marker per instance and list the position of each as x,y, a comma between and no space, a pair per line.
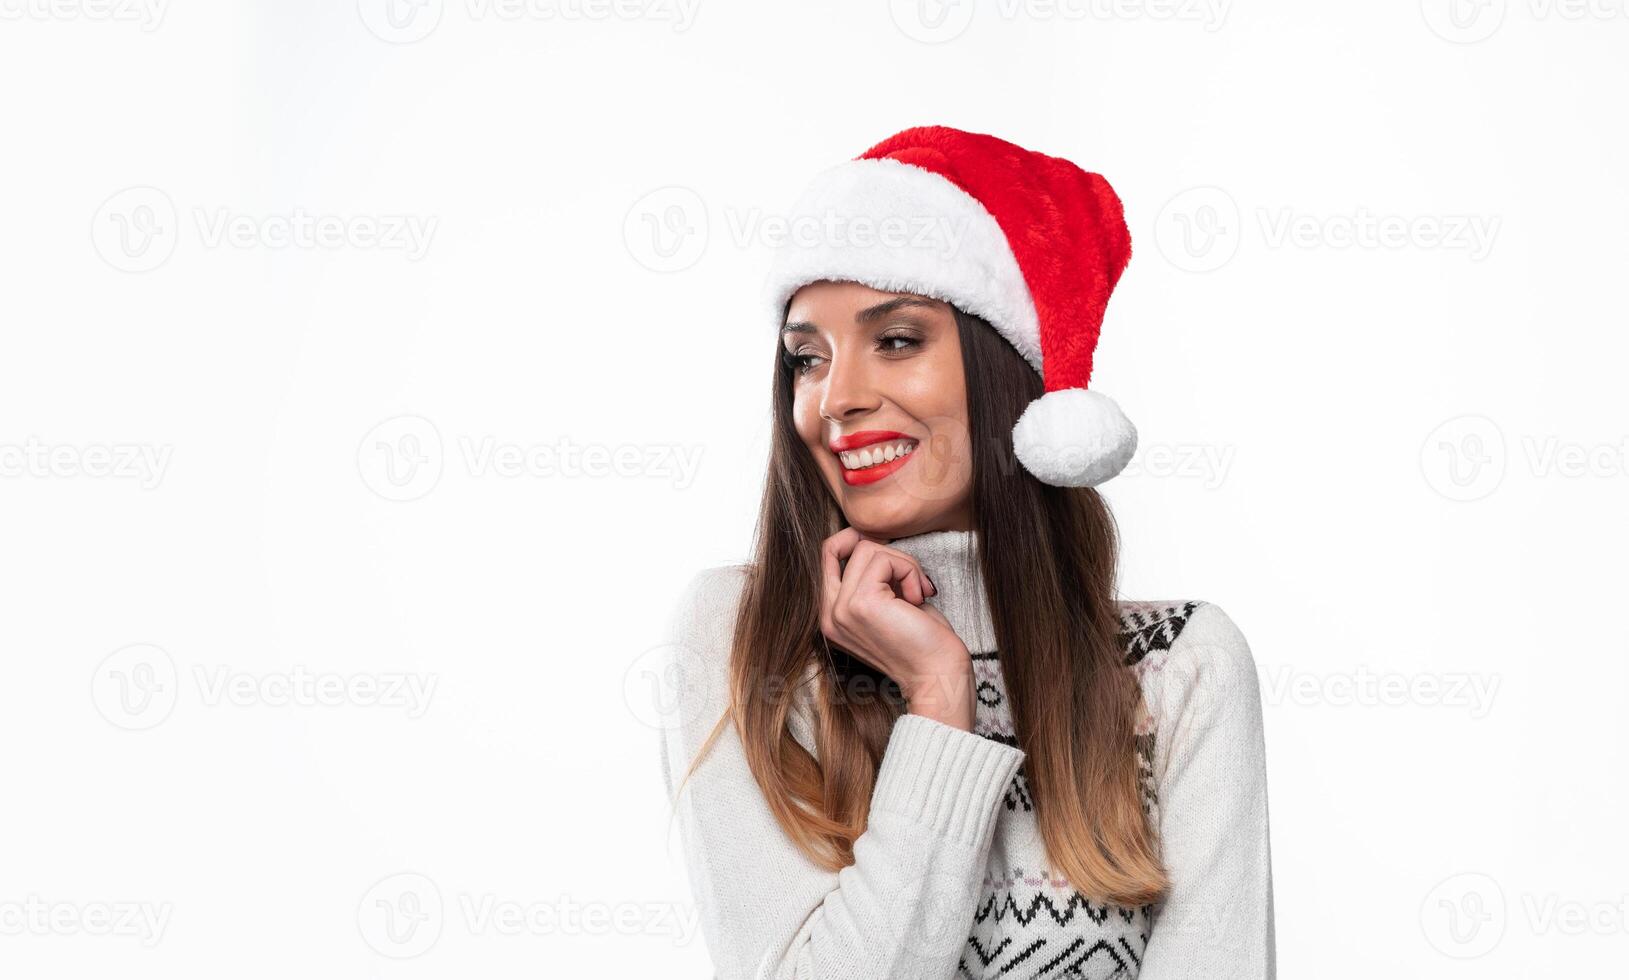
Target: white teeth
859,459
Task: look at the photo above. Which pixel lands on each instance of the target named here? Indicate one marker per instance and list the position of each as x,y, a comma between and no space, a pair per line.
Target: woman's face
880,400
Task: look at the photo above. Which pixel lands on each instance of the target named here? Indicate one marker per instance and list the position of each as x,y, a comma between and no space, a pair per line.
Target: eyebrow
870,314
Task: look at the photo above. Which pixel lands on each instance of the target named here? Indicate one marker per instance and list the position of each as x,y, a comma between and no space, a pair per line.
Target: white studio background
374,377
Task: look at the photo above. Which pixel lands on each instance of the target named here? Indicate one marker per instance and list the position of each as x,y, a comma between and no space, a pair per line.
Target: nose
850,390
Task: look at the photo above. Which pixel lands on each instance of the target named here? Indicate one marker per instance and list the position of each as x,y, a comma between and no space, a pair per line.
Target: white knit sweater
951,878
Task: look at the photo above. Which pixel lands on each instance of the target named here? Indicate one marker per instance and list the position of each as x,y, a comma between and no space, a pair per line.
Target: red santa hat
1031,243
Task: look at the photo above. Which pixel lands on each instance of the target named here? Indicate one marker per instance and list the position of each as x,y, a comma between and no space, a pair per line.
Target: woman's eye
799,363
891,344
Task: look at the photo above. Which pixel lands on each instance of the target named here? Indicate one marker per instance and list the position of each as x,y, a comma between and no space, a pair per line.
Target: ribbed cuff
944,777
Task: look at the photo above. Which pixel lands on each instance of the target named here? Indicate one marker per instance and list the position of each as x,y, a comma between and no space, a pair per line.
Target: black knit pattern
1050,935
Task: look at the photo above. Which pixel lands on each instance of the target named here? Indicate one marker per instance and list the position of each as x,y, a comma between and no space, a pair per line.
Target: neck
950,559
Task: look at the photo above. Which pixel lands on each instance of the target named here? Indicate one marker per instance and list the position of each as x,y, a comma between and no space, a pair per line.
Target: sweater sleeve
902,909
1211,778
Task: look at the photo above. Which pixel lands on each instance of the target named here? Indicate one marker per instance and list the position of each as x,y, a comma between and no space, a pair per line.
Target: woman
918,736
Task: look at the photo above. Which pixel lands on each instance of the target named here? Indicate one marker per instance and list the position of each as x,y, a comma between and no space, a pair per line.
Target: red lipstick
867,437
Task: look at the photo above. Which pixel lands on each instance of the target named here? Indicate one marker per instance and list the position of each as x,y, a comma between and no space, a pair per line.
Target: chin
880,515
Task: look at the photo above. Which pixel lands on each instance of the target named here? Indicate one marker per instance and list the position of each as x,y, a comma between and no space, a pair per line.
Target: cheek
936,395
806,416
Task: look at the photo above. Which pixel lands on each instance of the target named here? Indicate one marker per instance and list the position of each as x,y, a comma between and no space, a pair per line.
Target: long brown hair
1048,556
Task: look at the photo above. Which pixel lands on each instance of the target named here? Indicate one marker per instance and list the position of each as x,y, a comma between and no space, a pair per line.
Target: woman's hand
873,608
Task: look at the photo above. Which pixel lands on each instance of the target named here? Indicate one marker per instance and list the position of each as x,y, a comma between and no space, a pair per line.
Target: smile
868,456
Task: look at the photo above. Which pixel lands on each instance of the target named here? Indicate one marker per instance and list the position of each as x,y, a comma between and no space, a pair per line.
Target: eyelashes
798,363
802,363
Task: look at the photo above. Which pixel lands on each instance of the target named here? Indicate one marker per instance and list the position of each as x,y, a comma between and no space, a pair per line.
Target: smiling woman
846,344
924,737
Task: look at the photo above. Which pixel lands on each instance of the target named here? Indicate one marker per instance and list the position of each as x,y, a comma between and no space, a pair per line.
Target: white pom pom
1073,437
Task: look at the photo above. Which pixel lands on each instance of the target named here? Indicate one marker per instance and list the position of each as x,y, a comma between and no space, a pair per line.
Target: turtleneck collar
950,558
